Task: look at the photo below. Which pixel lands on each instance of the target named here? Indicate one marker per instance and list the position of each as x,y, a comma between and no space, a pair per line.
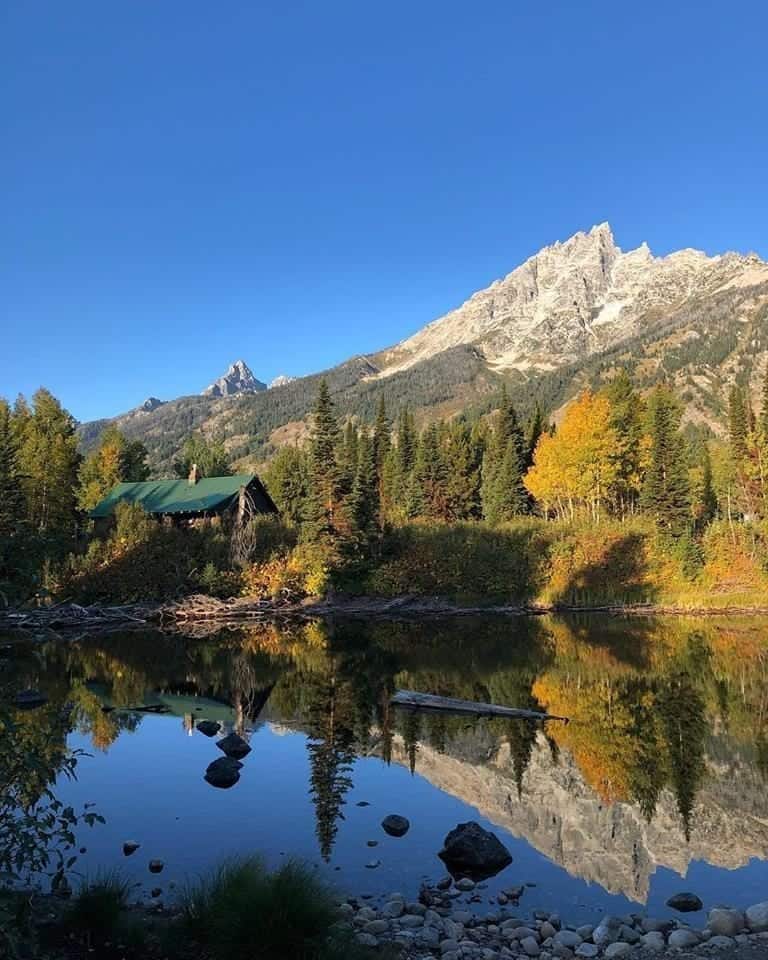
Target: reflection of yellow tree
91,719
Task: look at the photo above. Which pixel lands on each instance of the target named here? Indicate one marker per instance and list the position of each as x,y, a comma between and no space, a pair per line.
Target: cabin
191,502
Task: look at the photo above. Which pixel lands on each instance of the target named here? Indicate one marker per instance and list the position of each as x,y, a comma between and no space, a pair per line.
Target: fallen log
411,700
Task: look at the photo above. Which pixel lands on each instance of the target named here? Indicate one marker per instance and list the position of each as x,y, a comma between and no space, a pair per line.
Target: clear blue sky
185,182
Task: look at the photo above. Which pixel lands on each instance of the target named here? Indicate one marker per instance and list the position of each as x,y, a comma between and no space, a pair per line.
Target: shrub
305,571
96,910
241,910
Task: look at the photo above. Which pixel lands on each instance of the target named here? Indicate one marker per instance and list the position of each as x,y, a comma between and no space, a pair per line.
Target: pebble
585,931
719,942
394,909
367,940
653,941
465,884
568,938
372,864
376,926
448,946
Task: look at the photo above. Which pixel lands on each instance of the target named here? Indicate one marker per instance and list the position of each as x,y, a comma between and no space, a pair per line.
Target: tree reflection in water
645,697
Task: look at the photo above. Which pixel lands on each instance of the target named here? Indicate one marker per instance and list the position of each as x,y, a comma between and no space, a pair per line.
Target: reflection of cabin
190,502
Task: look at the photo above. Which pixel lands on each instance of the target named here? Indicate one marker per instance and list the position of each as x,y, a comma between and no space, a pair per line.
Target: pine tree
738,424
364,498
381,437
535,430
12,507
347,458
462,474
210,457
665,494
428,488
48,463
763,419
286,480
626,418
503,492
324,507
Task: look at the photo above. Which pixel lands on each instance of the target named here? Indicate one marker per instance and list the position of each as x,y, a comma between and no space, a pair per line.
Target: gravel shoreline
441,923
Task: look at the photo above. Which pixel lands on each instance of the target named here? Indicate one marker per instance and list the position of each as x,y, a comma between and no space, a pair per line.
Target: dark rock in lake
29,700
130,847
362,803
156,866
685,902
471,851
395,825
208,727
156,892
234,746
223,773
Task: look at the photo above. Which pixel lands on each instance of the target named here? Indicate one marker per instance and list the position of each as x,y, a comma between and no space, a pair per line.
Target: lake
658,784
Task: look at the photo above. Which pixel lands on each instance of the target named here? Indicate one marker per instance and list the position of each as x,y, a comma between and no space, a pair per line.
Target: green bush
242,910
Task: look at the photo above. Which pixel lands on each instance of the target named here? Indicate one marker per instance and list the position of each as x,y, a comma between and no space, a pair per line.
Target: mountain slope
565,319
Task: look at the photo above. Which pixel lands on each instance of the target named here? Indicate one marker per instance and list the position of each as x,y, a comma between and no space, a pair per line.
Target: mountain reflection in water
665,760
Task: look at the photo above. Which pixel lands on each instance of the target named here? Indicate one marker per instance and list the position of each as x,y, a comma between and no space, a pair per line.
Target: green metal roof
175,496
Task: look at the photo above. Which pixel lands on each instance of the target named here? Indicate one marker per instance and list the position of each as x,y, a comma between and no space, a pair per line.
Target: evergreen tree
115,460
535,430
364,499
12,507
503,492
406,442
626,419
381,437
48,464
324,518
738,424
665,494
286,480
763,420
462,481
428,494
347,458
210,456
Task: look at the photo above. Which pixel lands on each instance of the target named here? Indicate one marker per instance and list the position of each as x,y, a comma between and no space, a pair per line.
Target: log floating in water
429,701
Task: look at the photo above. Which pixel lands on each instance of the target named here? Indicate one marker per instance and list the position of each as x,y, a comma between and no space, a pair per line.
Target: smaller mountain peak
239,378
280,381
150,404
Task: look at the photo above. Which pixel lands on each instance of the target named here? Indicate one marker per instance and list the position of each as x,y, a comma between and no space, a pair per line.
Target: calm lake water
659,783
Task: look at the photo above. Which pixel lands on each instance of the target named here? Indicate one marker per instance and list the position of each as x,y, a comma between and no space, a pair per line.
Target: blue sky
184,183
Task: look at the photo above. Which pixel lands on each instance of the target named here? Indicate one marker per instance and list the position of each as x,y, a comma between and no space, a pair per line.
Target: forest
615,503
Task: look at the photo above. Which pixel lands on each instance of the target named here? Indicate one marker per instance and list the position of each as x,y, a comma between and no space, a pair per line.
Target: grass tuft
96,910
243,910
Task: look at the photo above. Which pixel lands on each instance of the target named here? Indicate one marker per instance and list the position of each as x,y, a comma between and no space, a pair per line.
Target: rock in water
129,847
208,727
395,825
29,700
685,902
156,866
234,746
223,773
472,851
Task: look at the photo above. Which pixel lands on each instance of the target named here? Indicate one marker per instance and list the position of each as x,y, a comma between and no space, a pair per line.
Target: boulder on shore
757,917
470,850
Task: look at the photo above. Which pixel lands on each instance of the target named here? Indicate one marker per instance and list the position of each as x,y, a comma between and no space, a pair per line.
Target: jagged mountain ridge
239,378
572,300
699,322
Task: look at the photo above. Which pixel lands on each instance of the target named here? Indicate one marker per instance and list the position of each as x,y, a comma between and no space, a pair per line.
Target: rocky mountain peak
150,404
280,381
239,378
569,301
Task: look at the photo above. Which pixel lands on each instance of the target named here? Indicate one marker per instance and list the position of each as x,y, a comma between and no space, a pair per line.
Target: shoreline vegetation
614,508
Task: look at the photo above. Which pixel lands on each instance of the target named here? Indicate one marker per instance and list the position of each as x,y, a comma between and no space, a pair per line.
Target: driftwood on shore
72,616
411,700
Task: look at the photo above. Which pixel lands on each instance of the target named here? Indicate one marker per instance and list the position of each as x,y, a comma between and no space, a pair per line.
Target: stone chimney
194,475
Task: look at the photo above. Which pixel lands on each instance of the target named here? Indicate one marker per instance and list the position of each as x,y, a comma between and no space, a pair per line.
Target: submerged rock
473,851
234,746
29,700
208,727
223,773
156,866
129,847
395,825
685,902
